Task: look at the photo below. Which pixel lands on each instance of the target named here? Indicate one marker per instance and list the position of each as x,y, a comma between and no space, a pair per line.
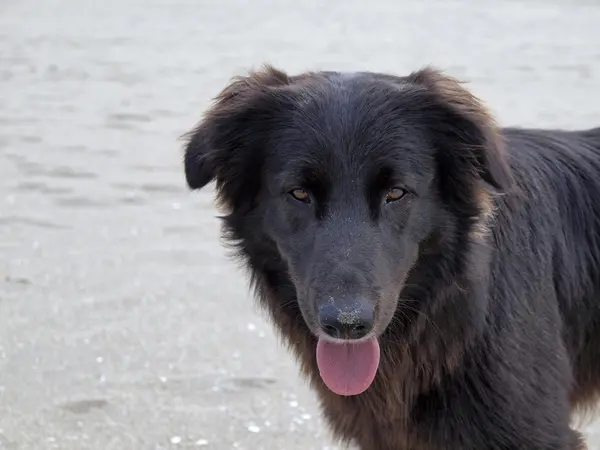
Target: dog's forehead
349,122
351,105
331,160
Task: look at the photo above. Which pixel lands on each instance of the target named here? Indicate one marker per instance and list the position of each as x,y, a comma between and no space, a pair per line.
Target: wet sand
123,325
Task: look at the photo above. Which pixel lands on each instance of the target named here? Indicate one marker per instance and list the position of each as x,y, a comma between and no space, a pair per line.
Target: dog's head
338,186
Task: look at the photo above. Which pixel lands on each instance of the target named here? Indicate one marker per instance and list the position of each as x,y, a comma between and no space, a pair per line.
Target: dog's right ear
212,143
199,159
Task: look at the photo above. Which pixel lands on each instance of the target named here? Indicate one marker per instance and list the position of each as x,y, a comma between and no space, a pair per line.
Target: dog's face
342,184
348,197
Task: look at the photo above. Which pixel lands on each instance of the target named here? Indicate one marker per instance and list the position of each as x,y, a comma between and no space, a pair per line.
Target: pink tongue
348,369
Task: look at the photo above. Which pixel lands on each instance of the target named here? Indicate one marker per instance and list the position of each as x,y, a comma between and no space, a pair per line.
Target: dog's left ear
212,145
468,123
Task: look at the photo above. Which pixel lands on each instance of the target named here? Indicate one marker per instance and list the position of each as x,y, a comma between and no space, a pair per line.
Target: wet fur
495,342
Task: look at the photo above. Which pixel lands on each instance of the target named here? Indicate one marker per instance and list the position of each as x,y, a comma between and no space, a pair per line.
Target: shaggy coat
482,267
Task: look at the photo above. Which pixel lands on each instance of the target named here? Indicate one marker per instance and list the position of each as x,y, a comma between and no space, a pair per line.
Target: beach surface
123,324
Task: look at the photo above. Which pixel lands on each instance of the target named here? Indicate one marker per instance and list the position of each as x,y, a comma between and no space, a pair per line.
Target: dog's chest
371,420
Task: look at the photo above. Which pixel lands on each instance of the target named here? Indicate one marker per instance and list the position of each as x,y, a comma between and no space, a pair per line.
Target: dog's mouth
348,330
348,367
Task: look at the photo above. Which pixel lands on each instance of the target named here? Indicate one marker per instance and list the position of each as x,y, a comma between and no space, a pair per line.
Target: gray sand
122,323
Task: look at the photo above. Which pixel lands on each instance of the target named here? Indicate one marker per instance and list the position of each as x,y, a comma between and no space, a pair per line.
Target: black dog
437,277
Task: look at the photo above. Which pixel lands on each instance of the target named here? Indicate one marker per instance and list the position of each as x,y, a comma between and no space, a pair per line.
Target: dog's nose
346,322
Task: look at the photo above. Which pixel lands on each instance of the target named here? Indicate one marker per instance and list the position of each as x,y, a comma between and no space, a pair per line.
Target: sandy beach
123,324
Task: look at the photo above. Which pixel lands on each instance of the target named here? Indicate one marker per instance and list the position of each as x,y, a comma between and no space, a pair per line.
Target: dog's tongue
348,369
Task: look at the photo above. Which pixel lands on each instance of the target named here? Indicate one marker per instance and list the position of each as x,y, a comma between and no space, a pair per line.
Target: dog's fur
485,277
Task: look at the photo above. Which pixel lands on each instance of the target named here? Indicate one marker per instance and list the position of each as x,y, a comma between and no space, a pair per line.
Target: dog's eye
394,195
301,195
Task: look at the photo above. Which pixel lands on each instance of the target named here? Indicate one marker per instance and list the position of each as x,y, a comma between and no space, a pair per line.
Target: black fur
484,278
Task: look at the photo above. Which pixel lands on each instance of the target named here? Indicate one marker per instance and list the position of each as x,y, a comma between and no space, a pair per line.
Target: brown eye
394,194
301,195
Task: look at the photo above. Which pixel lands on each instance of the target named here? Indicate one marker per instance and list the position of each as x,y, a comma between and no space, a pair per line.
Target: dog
436,276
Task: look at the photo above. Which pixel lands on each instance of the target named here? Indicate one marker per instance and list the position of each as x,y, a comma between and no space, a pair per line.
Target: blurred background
120,327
